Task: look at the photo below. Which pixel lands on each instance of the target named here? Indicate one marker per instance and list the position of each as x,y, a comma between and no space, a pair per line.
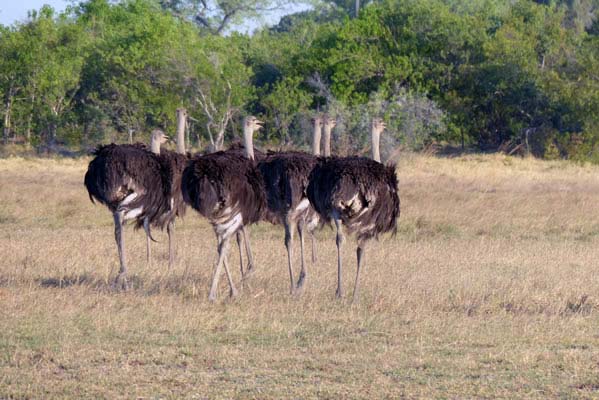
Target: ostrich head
317,121
182,111
158,139
250,125
378,126
329,124
316,134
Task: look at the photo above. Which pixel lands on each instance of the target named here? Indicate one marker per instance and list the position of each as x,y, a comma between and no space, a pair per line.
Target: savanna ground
490,289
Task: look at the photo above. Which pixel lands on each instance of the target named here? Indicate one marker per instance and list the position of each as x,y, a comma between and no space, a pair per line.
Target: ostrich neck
376,154
327,140
316,141
155,145
181,117
249,146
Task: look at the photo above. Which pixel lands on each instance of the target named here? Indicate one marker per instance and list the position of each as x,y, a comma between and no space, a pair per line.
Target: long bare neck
181,119
316,139
326,139
248,132
155,146
376,138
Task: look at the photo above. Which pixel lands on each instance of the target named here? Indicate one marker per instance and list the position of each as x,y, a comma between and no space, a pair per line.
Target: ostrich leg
313,247
359,255
289,228
232,291
121,279
248,249
339,242
303,272
170,230
223,247
217,269
148,250
238,236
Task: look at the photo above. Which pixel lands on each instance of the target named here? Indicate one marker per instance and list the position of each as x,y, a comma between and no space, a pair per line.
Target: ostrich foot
121,283
249,271
300,281
212,297
299,291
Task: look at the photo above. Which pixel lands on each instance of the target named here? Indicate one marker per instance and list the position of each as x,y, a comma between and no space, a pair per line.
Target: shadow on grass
90,281
68,281
187,285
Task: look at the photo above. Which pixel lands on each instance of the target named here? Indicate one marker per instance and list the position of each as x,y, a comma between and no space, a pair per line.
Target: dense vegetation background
516,76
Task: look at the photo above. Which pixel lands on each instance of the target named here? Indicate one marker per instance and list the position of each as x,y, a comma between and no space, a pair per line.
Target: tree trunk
212,146
7,112
52,133
28,133
30,118
56,111
357,10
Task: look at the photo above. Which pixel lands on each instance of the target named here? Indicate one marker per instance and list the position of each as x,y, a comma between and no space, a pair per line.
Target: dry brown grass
489,290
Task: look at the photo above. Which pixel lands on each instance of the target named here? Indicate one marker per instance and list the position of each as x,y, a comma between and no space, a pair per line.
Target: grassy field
490,289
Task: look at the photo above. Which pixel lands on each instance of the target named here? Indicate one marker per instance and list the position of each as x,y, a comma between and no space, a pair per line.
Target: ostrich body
360,195
137,184
227,189
285,177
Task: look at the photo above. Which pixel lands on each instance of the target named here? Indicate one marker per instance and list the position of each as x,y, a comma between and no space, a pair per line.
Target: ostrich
275,201
285,177
227,189
241,235
138,184
359,194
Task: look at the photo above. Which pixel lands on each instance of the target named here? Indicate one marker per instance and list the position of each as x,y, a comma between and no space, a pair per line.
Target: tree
60,60
351,7
216,16
283,103
11,75
42,63
129,75
220,84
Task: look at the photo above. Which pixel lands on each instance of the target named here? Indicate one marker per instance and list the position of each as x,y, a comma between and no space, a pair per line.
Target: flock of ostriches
241,186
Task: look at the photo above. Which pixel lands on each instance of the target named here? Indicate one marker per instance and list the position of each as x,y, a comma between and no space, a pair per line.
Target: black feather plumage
286,177
361,191
222,184
120,170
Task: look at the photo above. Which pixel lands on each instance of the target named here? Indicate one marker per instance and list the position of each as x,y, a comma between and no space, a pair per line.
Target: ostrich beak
258,123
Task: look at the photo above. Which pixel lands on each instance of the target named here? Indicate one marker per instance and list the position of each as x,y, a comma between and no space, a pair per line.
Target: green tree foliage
42,63
490,74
